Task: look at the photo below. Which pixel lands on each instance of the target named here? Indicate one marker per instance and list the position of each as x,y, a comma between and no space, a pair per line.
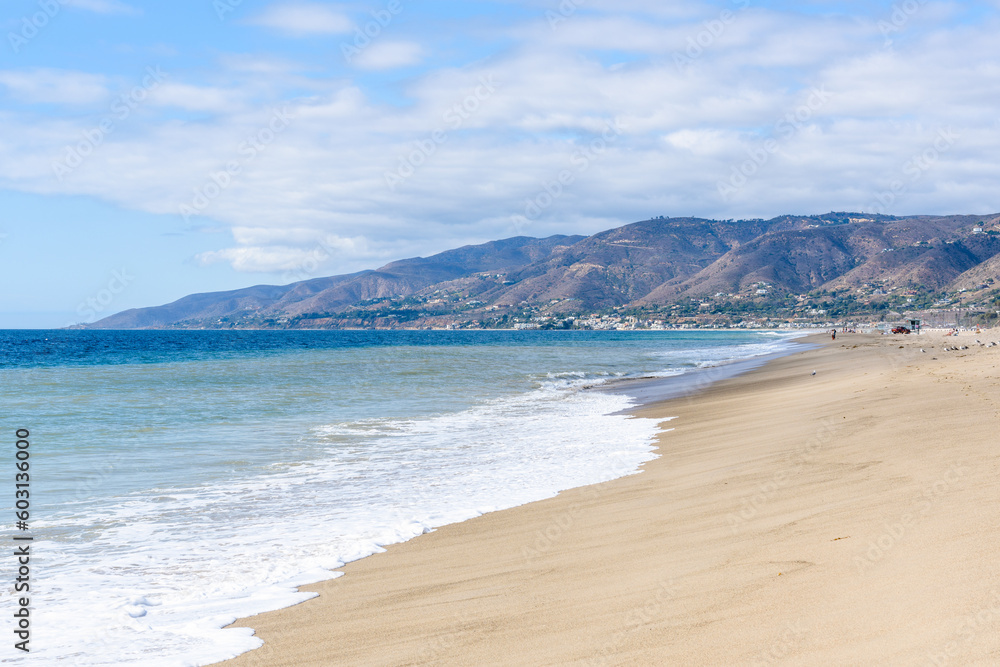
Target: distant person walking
833,335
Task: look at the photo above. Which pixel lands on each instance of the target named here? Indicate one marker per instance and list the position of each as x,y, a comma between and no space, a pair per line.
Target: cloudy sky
150,149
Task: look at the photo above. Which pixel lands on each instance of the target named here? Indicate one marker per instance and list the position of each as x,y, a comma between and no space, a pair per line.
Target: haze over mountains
652,265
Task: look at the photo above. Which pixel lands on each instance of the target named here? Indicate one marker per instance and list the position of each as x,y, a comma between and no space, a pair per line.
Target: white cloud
103,6
700,142
269,256
387,55
195,98
54,86
618,33
298,236
657,8
258,64
257,259
471,146
303,19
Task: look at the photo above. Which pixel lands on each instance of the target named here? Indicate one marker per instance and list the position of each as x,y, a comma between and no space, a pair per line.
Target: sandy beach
846,517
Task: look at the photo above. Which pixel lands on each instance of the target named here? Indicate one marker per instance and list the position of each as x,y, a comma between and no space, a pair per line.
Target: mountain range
675,267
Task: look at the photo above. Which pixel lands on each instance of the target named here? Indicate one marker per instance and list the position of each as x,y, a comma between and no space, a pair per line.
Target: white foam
706,357
152,577
163,571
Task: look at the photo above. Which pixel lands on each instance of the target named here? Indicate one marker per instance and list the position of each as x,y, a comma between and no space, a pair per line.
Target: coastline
647,391
841,518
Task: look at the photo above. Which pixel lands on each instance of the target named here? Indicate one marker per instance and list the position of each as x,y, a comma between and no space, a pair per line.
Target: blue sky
151,150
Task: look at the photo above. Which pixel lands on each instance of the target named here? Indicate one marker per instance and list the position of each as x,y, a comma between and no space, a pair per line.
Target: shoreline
722,551
658,389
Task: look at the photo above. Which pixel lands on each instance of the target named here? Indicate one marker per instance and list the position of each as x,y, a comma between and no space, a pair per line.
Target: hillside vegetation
790,268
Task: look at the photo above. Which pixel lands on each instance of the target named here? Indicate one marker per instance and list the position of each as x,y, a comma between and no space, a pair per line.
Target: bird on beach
814,372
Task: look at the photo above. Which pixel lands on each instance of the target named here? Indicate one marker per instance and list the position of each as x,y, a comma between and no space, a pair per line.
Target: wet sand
851,517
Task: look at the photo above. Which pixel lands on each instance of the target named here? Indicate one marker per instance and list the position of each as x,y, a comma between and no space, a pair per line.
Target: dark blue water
183,477
34,348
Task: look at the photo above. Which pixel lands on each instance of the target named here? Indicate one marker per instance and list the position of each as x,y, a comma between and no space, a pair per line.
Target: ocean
179,480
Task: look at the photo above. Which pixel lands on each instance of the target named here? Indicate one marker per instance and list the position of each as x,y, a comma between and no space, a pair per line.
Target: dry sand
851,517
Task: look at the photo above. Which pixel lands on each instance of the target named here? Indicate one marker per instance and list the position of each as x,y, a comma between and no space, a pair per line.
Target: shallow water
182,479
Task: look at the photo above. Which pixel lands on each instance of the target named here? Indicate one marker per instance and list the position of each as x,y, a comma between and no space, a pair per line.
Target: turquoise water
187,478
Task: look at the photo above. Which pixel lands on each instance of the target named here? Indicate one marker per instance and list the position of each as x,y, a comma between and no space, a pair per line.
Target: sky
150,150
